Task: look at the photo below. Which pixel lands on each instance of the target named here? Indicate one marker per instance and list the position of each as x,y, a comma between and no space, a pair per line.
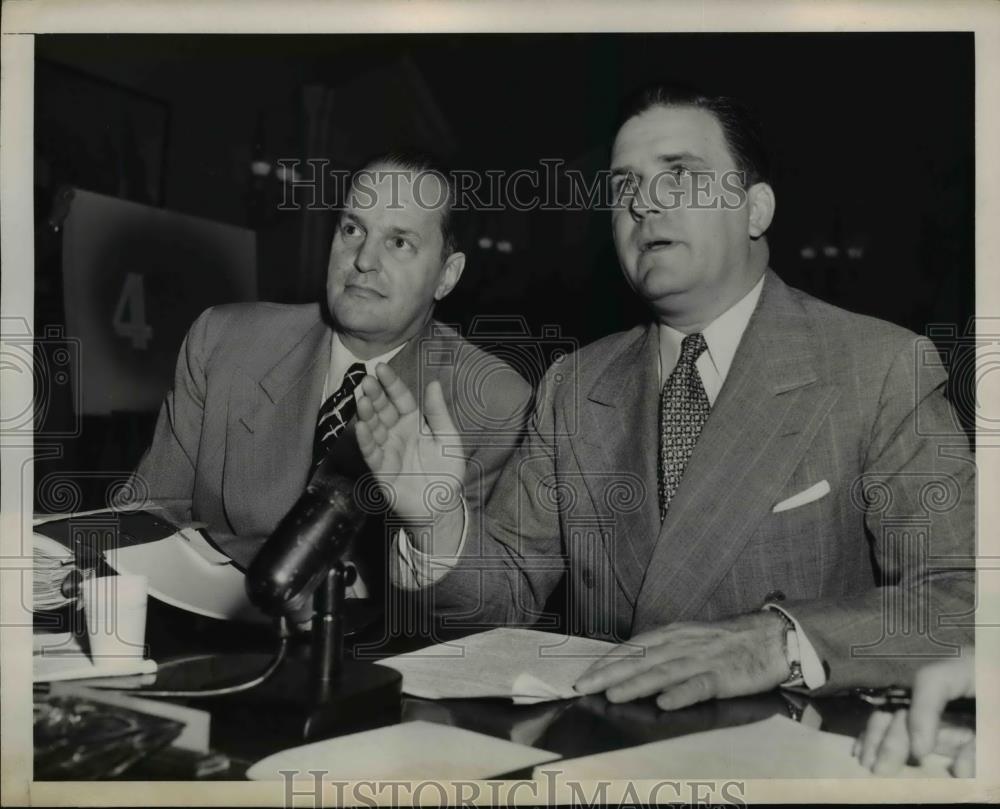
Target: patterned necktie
683,411
336,412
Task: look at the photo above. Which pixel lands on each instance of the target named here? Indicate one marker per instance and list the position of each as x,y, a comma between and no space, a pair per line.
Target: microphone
308,541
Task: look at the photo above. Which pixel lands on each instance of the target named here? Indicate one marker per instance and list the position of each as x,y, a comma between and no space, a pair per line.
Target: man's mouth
657,244
365,292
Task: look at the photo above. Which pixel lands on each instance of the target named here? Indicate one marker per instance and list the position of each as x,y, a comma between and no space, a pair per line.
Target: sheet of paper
59,656
180,575
773,748
524,664
409,751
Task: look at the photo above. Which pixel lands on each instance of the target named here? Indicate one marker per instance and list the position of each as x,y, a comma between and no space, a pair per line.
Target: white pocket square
814,492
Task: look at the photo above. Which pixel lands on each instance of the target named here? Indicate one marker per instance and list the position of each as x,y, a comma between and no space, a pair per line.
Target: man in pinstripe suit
238,433
755,489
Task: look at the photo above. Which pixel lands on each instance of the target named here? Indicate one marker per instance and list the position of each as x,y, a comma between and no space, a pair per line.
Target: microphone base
361,696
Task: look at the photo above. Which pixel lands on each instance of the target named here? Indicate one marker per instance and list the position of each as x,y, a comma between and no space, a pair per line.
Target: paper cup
115,609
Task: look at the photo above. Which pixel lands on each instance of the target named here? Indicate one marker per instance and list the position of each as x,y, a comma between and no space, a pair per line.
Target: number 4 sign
129,320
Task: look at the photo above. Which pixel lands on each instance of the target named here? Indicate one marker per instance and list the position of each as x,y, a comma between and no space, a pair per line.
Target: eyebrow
666,159
398,231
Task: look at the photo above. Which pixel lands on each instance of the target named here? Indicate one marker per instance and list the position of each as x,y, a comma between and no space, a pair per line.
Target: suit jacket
234,437
877,570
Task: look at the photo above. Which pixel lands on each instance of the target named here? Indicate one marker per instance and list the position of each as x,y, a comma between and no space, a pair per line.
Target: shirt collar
342,357
722,335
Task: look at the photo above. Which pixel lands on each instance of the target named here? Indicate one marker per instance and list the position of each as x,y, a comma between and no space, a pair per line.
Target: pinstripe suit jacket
233,441
876,570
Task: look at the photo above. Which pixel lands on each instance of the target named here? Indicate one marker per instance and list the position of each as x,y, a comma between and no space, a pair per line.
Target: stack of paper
184,568
774,748
522,664
54,572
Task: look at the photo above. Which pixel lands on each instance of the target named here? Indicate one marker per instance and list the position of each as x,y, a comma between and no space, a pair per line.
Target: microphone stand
344,695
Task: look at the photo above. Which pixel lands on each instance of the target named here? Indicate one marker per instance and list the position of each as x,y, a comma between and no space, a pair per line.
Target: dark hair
740,126
418,162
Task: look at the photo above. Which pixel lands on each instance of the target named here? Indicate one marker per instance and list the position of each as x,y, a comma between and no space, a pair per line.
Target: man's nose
644,203
367,258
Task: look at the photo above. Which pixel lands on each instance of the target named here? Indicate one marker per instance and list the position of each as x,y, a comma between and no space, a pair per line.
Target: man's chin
361,317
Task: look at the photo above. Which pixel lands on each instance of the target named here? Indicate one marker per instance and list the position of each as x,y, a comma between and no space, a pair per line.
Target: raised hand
414,455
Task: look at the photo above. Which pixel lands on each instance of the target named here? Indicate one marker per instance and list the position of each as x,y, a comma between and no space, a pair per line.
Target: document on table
773,748
525,665
185,571
184,568
410,751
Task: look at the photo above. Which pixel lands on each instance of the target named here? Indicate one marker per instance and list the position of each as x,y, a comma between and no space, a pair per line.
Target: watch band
793,655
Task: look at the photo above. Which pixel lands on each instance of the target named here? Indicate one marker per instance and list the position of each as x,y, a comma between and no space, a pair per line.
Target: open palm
413,454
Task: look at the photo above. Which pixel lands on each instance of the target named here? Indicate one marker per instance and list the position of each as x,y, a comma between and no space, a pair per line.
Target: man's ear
760,199
450,273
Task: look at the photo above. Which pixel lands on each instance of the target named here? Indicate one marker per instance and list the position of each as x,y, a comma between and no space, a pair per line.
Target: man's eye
350,229
625,184
399,243
680,172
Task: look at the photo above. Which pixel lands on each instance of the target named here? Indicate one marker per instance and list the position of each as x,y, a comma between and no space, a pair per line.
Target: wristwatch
793,655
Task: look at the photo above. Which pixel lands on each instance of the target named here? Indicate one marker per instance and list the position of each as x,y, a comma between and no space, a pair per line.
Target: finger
895,747
871,737
933,687
399,394
652,681
964,765
385,411
436,410
366,409
700,687
370,451
952,738
625,651
370,386
612,669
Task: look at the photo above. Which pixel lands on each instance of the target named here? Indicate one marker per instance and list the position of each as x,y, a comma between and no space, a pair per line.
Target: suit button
773,596
588,579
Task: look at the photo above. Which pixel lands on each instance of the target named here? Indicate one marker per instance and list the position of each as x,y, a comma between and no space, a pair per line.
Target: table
195,652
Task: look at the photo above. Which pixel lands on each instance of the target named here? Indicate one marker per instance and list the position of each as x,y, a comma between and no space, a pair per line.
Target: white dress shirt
722,337
341,359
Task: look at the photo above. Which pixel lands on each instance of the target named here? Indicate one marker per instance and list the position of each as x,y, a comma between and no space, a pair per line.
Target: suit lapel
272,419
766,415
615,446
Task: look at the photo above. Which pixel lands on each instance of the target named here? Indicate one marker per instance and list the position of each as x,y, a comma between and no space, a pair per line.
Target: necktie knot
692,347
354,375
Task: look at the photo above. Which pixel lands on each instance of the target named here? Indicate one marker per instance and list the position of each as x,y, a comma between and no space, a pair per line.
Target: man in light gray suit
753,489
263,391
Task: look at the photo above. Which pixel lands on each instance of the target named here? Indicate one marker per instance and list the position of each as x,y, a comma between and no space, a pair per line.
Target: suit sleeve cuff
412,569
813,675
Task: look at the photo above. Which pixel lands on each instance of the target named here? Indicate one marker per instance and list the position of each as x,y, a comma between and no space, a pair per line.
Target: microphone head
310,538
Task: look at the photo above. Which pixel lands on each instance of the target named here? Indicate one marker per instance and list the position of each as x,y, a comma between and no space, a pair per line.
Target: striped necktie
684,409
336,412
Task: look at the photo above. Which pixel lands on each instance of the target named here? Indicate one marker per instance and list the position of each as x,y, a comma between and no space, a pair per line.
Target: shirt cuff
813,675
412,569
